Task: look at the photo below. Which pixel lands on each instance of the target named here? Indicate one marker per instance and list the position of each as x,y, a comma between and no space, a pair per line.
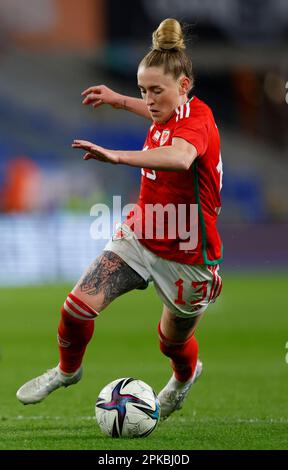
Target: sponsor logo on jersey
164,137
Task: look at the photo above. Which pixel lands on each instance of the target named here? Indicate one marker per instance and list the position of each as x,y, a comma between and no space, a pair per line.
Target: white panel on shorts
129,249
192,300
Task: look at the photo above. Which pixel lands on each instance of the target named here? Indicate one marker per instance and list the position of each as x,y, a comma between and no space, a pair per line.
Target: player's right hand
101,94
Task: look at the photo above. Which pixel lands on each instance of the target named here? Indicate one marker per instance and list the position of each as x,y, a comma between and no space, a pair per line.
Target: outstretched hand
96,152
101,94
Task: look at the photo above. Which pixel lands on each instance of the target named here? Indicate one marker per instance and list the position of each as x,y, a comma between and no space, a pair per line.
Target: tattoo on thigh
111,276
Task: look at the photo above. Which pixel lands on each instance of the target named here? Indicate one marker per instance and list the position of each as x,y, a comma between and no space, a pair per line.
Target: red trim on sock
83,305
74,335
75,310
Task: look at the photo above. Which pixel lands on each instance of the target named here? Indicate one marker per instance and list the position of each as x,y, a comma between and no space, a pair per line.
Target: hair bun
168,36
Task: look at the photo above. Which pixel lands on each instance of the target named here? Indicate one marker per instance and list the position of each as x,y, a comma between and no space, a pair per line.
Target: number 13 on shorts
200,290
198,293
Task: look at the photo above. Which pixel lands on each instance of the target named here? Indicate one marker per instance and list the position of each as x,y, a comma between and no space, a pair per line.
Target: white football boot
173,394
39,388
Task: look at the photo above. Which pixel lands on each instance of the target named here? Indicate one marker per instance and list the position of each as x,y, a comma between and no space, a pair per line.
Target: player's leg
177,341
107,278
186,292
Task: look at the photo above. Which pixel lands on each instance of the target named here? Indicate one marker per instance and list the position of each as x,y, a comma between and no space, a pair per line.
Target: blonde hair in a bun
168,46
168,36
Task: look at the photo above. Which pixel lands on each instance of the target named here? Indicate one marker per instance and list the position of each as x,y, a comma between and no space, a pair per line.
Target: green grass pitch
240,402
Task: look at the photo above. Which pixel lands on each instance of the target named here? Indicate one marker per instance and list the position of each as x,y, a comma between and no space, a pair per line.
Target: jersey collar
175,113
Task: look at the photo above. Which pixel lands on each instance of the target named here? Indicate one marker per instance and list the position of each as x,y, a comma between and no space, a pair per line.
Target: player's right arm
101,94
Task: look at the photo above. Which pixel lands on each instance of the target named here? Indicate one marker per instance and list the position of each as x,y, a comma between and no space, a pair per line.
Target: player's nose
149,99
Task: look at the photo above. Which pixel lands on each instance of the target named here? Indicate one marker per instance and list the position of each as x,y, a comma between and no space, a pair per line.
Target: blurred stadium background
50,50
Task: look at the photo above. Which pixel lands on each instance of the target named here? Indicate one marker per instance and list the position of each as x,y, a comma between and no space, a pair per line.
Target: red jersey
201,184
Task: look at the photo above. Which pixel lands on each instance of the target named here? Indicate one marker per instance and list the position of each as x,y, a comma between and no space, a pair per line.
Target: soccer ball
127,408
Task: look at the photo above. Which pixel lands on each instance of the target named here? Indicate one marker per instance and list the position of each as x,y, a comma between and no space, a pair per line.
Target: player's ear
184,85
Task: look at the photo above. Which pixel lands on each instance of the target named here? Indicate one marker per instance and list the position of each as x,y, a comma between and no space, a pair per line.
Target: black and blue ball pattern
127,407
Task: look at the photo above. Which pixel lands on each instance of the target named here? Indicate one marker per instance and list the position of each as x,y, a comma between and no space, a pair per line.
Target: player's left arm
176,157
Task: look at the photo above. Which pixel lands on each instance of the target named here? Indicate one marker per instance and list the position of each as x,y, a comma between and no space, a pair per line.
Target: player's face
161,92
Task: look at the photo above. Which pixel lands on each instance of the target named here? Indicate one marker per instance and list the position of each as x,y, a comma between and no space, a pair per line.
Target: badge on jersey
156,136
164,137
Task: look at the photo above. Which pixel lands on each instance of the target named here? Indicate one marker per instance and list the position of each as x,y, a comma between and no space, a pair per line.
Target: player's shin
183,355
75,330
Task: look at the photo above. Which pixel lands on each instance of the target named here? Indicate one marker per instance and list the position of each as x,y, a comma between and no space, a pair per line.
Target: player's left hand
96,152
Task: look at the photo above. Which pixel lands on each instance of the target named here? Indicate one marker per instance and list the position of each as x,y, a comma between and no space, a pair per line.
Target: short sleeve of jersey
194,129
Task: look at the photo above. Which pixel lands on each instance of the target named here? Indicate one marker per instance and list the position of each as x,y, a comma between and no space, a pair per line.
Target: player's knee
185,325
96,301
77,321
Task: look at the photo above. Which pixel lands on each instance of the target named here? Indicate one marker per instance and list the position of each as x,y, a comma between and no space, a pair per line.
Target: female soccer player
181,169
